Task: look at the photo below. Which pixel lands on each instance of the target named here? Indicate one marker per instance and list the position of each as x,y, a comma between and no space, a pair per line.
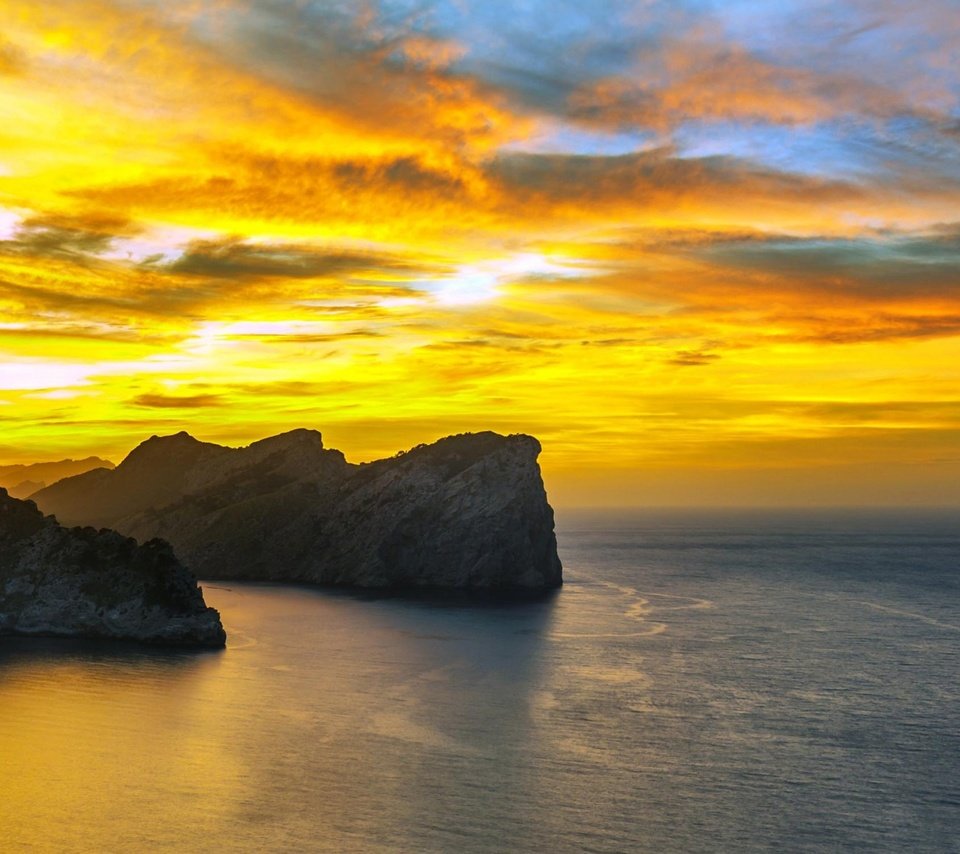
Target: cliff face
96,584
468,512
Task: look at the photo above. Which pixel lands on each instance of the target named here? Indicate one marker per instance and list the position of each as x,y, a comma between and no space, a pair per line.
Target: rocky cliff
468,512
85,583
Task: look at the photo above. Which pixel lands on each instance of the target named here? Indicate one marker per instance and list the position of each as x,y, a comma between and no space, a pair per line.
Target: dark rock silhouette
95,584
23,479
468,512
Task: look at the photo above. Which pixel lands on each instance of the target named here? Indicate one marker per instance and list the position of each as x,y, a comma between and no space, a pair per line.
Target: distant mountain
23,480
468,512
95,584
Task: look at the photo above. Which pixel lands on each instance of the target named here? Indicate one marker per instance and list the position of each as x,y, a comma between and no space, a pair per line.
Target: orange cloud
685,81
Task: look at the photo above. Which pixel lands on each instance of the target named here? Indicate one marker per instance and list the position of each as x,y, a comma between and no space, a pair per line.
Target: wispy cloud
163,401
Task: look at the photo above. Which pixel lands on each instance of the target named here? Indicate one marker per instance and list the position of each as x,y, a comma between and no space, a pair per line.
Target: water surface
703,682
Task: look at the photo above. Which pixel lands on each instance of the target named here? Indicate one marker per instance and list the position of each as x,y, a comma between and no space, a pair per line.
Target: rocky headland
81,582
468,512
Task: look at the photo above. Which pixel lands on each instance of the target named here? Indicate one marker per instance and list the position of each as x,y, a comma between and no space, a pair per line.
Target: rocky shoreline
87,583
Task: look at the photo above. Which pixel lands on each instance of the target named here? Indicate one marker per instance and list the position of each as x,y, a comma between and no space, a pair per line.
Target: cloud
380,66
877,327
609,342
692,358
904,412
235,259
47,297
162,401
678,82
662,65
405,174
876,270
78,330
752,289
380,117
55,279
655,179
355,197
77,236
13,61
899,267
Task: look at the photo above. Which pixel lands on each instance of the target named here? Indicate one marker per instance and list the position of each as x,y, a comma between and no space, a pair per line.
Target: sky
707,251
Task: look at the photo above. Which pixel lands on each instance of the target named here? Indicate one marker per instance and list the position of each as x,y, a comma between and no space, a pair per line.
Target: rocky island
468,512
86,583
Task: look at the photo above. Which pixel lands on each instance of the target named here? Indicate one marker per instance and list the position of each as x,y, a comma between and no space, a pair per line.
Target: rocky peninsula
468,512
86,583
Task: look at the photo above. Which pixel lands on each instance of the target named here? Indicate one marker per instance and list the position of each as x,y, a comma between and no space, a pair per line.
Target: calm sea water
703,682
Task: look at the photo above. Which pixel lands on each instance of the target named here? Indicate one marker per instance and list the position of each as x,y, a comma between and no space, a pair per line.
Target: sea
705,681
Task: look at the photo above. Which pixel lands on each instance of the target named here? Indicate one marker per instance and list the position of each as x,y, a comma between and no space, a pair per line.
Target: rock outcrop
81,582
468,512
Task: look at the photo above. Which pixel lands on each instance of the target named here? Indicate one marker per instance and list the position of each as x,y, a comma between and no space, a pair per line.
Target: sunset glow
707,252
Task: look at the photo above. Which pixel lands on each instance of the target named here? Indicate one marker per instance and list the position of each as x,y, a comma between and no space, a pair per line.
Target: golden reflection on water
104,744
323,712
376,723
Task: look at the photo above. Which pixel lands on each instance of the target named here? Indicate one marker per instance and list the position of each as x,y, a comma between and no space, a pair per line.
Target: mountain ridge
22,479
466,512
